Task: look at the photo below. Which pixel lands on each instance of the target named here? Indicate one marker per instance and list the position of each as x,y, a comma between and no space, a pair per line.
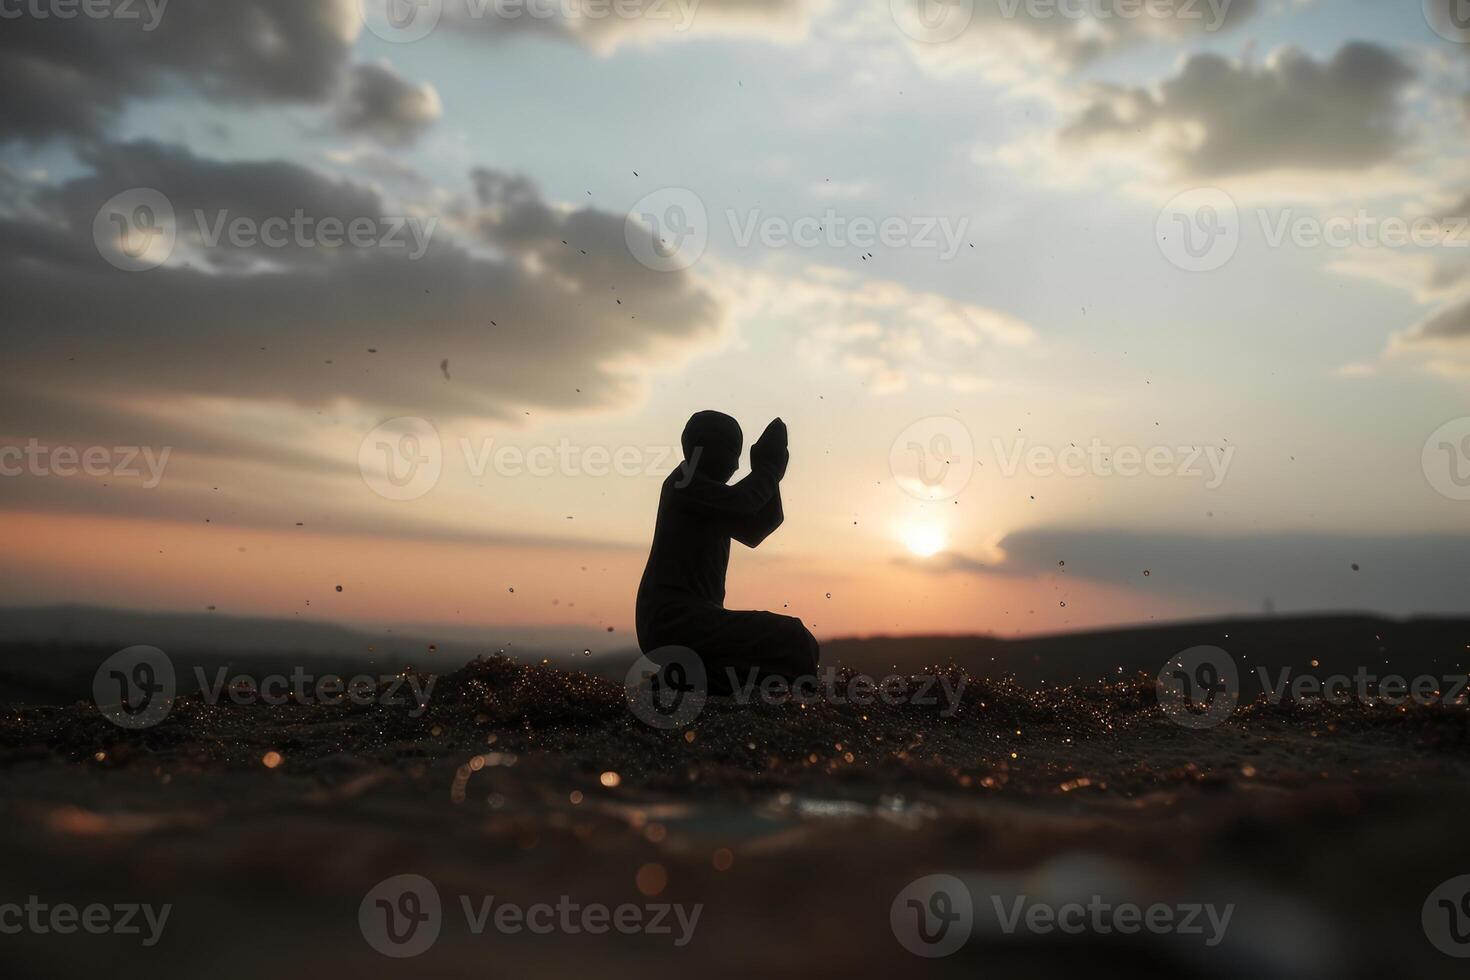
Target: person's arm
751,531
769,451
739,504
769,454
742,500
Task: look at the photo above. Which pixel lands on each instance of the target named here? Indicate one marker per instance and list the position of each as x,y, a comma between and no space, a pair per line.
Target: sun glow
924,540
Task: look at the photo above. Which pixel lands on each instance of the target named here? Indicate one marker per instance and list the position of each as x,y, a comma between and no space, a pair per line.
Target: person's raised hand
769,451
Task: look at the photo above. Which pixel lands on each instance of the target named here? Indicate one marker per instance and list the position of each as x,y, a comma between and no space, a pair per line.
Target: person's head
712,442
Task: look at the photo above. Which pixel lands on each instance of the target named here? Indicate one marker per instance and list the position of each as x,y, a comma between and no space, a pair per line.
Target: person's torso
689,557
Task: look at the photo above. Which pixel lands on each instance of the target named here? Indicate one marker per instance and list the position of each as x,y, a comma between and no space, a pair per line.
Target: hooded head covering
712,442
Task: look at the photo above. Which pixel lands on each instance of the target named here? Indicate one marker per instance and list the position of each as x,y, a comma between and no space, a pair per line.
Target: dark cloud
1223,117
71,77
46,97
268,505
57,417
255,191
546,302
377,101
1452,323
1297,571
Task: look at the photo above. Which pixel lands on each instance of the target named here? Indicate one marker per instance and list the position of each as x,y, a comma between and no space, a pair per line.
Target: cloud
886,333
1438,275
538,306
1026,43
1450,324
943,563
71,78
1220,117
379,102
1397,574
604,26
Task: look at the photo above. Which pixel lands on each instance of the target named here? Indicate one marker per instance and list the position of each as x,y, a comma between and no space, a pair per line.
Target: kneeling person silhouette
681,599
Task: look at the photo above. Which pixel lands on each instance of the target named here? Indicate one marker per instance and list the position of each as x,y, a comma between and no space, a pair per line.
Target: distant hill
221,632
217,633
48,655
1340,643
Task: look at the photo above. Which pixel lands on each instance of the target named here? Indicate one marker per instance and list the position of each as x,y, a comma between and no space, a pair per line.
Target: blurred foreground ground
795,826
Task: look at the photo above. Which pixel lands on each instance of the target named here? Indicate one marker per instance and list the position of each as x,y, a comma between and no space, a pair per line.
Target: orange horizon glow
159,565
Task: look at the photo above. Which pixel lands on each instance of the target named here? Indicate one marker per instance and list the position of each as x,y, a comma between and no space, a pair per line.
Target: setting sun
924,540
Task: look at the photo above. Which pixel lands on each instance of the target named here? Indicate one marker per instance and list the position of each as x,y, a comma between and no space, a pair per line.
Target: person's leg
739,647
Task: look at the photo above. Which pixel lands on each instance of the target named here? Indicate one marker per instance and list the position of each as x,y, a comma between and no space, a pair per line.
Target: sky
1079,313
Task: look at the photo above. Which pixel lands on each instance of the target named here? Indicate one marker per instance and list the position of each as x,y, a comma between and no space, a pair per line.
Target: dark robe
681,599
